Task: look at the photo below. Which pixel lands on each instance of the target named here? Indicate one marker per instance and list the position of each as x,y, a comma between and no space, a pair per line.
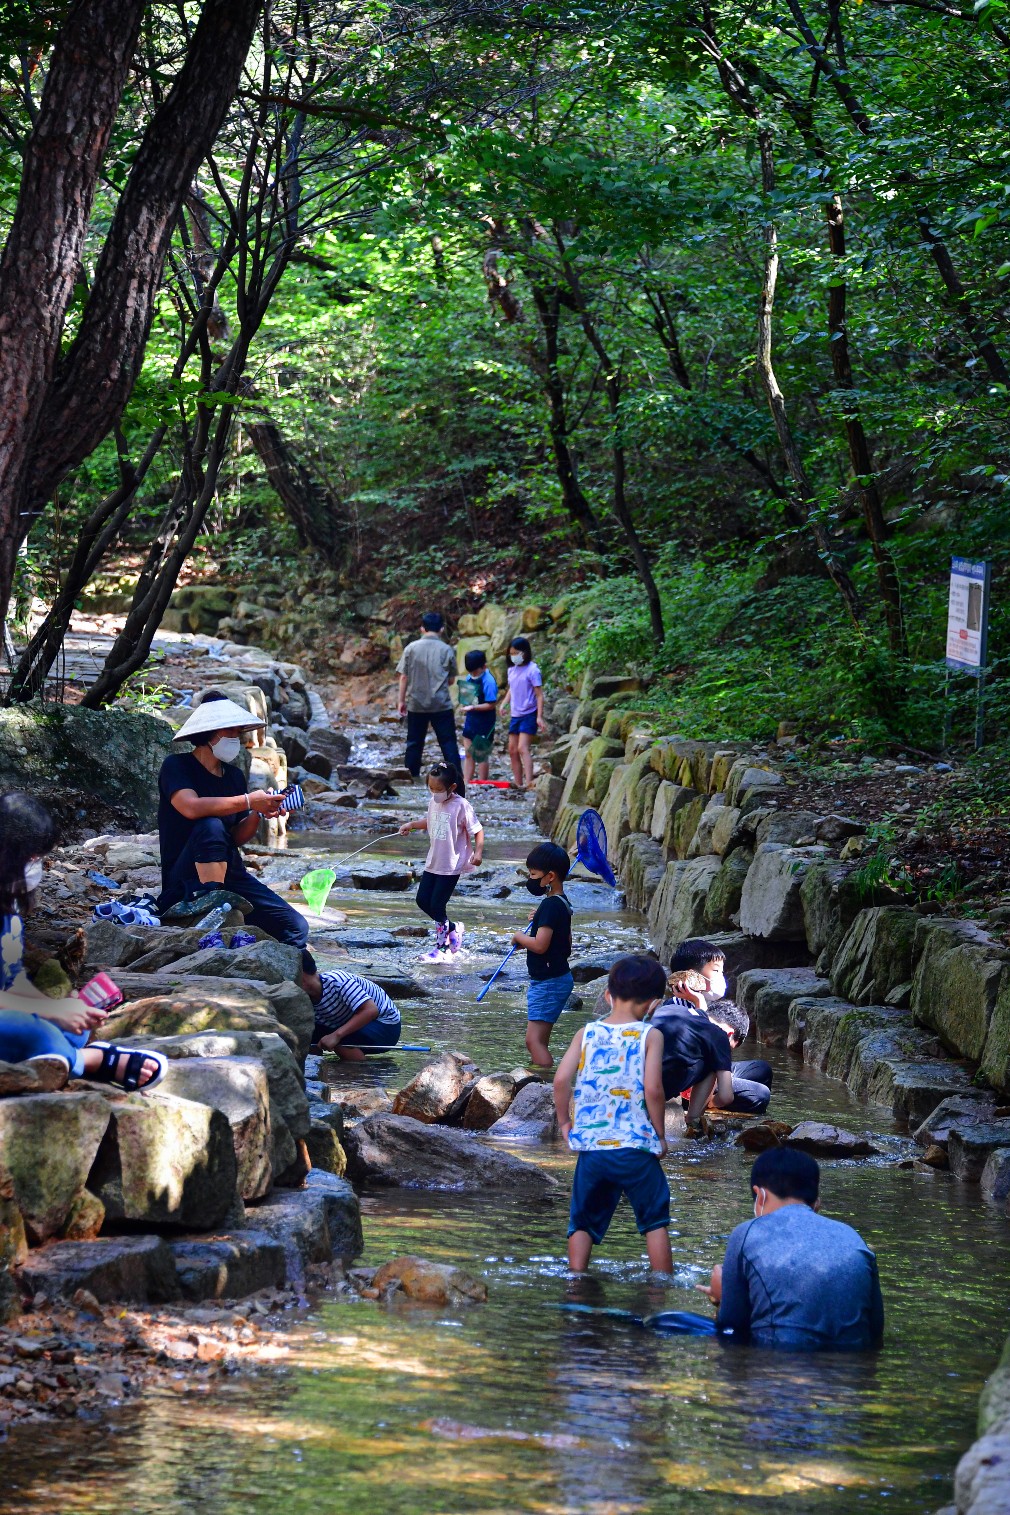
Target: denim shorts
526,723
600,1180
547,997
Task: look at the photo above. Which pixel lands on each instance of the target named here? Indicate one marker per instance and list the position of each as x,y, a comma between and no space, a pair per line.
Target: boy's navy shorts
526,724
602,1177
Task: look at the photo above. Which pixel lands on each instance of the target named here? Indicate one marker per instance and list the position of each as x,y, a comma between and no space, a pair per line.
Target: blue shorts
478,725
547,997
526,723
375,1036
602,1177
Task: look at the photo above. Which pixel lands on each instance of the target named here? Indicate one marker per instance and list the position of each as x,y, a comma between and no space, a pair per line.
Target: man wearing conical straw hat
204,816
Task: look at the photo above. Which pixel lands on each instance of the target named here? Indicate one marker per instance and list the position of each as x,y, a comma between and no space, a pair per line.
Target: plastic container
101,993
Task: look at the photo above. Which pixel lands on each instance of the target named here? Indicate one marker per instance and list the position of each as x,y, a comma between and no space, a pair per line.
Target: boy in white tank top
617,1128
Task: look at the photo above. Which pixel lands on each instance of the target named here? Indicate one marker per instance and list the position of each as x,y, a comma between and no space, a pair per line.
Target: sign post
968,630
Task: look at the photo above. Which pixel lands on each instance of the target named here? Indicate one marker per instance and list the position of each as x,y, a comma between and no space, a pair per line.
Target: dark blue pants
752,1087
210,842
443,724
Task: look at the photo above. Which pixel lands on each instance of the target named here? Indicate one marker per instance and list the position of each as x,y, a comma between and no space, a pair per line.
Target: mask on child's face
439,796
34,872
515,658
536,886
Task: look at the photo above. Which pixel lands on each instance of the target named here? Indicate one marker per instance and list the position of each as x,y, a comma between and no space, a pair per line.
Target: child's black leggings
434,893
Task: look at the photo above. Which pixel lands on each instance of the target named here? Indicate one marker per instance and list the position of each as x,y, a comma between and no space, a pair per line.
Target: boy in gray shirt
792,1278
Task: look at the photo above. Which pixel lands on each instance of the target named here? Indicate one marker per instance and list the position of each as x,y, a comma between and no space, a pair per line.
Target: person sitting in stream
205,814
33,1027
355,1016
791,1278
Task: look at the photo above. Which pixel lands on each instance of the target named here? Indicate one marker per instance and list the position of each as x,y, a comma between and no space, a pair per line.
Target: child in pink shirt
456,846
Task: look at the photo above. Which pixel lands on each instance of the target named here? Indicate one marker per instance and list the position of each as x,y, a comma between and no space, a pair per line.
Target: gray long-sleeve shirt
797,1280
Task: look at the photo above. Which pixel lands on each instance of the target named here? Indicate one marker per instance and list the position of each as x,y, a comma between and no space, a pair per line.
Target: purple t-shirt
524,680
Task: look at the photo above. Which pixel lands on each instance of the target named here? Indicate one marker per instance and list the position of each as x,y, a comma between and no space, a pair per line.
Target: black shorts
602,1177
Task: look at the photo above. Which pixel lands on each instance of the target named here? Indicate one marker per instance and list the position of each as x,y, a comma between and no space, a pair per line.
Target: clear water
518,1405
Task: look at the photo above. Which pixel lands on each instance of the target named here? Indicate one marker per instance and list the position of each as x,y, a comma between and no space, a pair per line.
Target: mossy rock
876,954
957,982
722,907
685,824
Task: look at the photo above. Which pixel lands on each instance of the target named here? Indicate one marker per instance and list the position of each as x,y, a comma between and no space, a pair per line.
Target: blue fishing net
592,846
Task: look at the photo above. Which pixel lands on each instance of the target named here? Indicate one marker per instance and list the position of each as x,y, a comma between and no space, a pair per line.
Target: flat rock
264,962
363,939
189,1010
823,1140
435,1088
767,993
395,1151
228,1267
124,1269
763,1134
530,1117
770,904
393,877
971,1108
35,1077
586,969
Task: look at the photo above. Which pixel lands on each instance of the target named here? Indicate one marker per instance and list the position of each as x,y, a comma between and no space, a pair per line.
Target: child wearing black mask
548,944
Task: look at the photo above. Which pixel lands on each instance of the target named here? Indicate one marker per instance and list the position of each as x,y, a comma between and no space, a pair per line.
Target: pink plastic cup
101,993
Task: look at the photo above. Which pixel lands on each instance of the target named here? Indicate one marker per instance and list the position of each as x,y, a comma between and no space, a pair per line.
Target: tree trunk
42,256
805,507
548,307
316,514
859,450
983,343
94,381
97,535
612,373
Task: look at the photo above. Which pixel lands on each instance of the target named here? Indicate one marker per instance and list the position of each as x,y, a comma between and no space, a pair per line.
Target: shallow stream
520,1405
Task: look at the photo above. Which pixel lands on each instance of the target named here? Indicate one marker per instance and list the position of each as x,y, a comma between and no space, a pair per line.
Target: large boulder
120,1269
114,755
996,1053
767,993
701,842
165,1161
435,1088
333,744
315,1223
238,1087
956,983
973,1107
663,920
380,874
530,1117
295,1011
430,1283
641,869
395,1151
197,1007
970,1145
48,1145
489,1100
722,904
688,911
264,962
770,903
547,800
670,800
823,1140
813,1021
875,955
831,899
614,810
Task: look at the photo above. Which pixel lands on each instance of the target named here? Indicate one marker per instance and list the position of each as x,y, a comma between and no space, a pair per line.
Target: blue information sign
967,616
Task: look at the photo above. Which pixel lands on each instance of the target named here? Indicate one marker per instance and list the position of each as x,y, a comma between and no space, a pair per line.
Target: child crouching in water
456,846
618,1128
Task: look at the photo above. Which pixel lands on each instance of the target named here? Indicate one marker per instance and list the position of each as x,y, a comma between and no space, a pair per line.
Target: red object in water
491,783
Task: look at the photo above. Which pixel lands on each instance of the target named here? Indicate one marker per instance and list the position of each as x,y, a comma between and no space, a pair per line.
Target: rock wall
705,839
982,1480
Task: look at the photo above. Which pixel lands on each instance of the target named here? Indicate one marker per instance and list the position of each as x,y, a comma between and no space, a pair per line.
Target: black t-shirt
184,771
556,913
692,1048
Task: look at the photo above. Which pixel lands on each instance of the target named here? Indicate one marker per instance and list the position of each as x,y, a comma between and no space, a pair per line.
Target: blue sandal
131,1079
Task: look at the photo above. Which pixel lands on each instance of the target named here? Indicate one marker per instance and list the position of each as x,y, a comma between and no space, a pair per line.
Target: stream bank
442,1407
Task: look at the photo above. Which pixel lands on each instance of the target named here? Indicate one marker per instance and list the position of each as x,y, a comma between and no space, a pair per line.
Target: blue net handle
591,838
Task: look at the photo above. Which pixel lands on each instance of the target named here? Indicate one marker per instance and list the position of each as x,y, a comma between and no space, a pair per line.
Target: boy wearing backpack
478,694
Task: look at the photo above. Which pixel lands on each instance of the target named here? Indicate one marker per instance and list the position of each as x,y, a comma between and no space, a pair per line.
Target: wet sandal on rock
136,1057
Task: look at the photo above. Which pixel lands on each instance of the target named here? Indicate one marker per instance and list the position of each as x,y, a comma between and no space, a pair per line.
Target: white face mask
439,799
34,874
515,658
226,749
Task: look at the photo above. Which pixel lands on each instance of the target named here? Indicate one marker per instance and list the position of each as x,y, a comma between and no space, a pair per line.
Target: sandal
136,1058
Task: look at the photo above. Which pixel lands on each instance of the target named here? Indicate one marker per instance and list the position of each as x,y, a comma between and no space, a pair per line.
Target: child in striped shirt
354,1016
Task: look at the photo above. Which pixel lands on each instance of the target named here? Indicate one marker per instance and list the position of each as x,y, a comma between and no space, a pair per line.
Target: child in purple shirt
526,697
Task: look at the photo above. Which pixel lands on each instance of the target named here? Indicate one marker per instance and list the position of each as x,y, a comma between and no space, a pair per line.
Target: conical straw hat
217,715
